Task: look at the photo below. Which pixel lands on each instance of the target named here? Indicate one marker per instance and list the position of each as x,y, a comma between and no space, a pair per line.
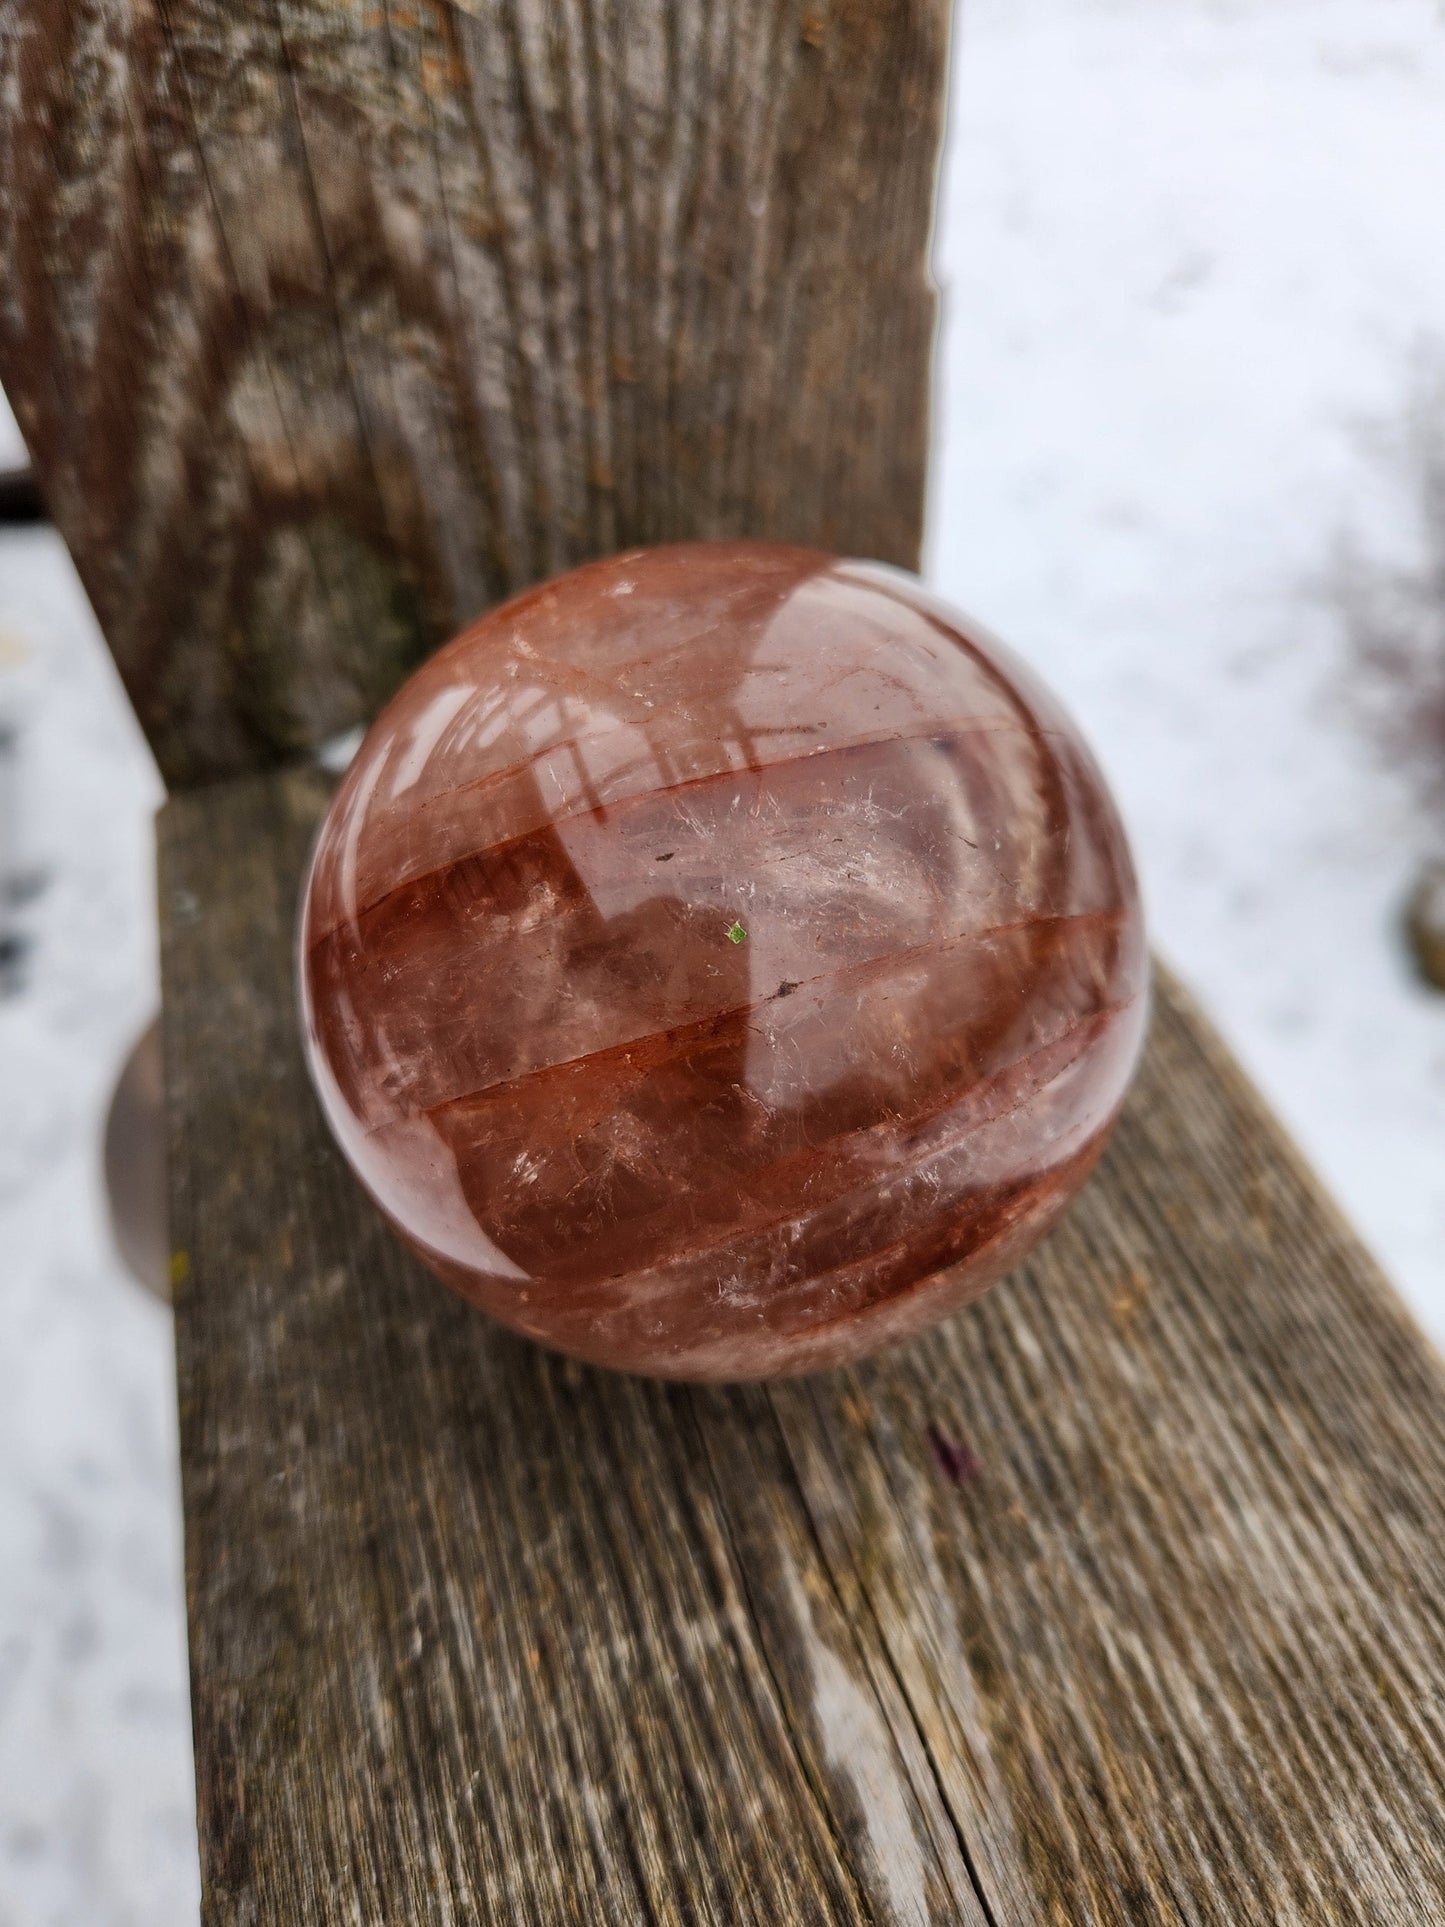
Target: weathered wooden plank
1118,1599
329,322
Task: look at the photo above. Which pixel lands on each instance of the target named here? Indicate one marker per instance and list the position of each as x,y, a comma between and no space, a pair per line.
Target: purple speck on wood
957,1461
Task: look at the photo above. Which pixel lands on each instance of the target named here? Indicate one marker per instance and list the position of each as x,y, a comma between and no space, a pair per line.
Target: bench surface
1116,1599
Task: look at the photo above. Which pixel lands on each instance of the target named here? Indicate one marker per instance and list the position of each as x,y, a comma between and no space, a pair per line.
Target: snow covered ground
1190,265
97,1820
1190,259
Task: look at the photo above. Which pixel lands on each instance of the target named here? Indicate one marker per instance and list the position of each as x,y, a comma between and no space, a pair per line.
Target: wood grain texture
329,322
1117,1599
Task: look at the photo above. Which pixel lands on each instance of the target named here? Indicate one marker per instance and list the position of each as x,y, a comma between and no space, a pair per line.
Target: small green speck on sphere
736,934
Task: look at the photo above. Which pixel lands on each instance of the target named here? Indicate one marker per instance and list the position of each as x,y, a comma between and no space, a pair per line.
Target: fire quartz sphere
722,961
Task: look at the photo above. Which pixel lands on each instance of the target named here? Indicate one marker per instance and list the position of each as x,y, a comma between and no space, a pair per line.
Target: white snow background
1190,263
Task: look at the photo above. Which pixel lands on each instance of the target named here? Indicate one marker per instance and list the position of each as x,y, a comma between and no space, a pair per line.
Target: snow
1190,262
1187,263
97,1819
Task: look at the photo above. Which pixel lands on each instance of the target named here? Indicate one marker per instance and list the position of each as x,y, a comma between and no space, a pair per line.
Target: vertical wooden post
329,322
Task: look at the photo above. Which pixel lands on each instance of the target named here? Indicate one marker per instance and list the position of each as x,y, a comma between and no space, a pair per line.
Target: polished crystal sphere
722,961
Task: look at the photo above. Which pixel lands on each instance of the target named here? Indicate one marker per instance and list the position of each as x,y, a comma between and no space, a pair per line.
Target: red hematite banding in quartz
722,961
